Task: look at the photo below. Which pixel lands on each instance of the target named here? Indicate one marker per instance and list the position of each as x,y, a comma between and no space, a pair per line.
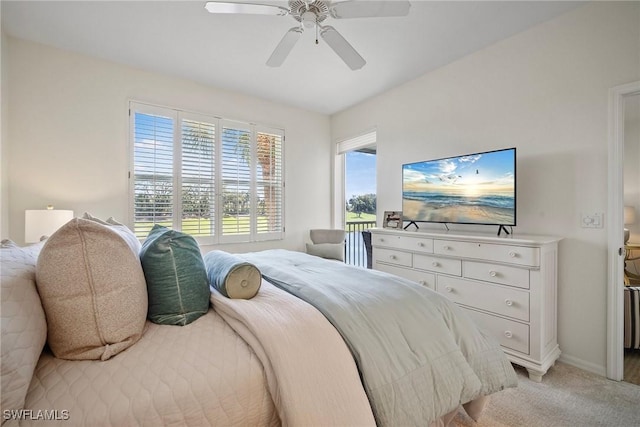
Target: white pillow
24,326
327,250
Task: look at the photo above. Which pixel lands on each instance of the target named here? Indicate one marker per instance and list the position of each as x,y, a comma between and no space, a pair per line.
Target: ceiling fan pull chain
316,33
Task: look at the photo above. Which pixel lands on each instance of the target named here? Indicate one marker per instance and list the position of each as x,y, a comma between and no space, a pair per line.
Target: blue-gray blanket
419,355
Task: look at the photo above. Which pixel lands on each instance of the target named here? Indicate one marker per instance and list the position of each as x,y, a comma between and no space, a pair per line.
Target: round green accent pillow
176,278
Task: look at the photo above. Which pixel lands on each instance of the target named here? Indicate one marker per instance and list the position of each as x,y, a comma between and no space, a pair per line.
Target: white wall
4,130
544,91
69,137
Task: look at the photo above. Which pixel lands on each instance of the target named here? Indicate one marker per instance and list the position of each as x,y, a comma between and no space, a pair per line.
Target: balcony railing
355,252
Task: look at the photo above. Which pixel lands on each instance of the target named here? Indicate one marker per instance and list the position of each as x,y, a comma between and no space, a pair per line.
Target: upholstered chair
327,243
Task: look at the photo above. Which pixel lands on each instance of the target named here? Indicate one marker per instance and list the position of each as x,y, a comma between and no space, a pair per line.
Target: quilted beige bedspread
271,360
195,375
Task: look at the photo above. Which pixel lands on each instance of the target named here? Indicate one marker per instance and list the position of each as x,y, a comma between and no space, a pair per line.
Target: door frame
615,225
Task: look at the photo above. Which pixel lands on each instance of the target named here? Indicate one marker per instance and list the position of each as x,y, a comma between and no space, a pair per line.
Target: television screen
476,188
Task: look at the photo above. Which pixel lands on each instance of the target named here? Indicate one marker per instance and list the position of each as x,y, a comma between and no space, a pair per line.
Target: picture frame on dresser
392,219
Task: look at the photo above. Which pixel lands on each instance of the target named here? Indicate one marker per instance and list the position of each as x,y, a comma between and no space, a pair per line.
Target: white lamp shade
629,215
39,223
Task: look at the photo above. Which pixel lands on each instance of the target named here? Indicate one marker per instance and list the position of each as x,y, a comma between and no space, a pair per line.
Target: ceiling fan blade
281,51
342,47
245,8
369,9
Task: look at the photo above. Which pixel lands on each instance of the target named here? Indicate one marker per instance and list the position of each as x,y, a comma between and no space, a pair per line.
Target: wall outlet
592,220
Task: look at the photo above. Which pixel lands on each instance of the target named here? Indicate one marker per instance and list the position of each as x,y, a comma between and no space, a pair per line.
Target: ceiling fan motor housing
302,11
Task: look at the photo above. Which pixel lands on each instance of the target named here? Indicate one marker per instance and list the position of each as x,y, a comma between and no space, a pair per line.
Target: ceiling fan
311,14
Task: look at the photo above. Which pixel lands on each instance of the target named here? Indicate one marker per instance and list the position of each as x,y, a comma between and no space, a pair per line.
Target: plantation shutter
269,183
217,180
236,175
153,172
198,137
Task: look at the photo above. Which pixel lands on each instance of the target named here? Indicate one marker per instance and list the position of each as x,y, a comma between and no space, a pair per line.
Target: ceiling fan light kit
310,14
309,19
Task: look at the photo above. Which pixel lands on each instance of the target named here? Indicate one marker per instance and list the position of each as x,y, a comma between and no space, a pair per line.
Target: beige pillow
119,228
24,327
93,291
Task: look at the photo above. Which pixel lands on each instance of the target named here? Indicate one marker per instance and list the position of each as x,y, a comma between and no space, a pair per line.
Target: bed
275,359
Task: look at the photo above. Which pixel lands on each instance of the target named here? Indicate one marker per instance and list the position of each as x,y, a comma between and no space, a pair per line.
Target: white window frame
177,116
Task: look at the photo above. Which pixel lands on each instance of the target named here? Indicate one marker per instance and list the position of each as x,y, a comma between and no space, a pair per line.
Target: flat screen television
477,188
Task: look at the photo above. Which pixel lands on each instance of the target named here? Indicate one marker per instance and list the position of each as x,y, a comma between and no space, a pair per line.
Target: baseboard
583,364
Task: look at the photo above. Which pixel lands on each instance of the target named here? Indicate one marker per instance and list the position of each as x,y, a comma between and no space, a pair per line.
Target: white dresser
507,284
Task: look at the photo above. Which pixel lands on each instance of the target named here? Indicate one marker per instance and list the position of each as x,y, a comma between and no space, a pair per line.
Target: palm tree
266,155
266,150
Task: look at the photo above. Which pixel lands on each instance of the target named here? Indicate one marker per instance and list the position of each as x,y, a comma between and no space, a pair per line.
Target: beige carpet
567,396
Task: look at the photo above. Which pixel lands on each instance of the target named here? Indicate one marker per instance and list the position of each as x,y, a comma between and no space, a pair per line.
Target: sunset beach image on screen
477,188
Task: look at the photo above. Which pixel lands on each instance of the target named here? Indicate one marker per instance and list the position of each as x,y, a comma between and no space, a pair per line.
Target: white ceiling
181,38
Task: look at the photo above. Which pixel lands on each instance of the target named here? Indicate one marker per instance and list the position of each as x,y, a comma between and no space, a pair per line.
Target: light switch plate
592,220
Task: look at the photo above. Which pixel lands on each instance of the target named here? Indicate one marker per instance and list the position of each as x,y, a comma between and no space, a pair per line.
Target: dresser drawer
392,256
496,273
415,244
520,255
510,334
421,277
438,264
497,299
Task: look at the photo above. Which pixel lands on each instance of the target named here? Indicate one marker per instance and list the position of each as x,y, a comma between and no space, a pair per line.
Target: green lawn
202,226
352,217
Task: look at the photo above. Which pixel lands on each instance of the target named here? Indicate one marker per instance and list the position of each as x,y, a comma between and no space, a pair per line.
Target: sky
360,174
491,170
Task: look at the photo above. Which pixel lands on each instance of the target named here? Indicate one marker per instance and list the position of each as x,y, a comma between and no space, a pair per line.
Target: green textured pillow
176,277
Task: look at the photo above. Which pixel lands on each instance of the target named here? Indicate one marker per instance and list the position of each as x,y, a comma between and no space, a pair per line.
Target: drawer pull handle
508,302
421,244
493,273
446,248
508,334
392,256
449,289
423,283
381,239
435,263
512,254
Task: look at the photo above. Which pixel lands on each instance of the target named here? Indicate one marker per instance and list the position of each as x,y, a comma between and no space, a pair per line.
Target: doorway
621,99
355,194
631,198
360,203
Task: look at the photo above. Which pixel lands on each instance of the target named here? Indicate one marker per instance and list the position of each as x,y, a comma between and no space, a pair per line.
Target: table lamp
43,223
629,218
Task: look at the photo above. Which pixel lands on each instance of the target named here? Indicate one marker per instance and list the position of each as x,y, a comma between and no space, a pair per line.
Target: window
217,180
